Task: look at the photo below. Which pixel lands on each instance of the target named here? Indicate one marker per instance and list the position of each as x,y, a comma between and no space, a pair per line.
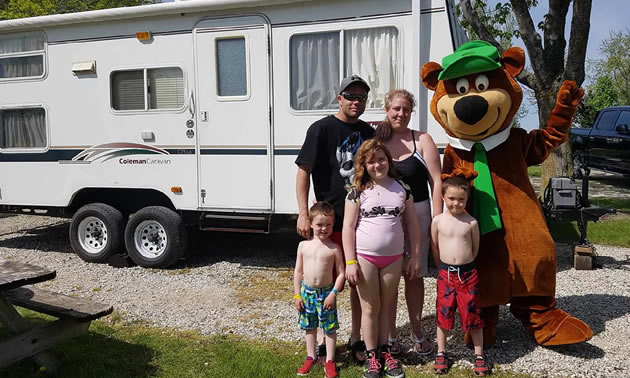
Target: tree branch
580,27
555,43
479,27
528,79
531,39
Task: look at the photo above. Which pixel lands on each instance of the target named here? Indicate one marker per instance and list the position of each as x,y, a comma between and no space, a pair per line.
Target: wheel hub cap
92,234
150,239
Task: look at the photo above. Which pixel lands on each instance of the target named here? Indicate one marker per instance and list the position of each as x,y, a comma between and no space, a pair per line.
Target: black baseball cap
348,81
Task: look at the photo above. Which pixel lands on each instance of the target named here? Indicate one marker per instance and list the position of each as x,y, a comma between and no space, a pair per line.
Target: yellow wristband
297,296
351,262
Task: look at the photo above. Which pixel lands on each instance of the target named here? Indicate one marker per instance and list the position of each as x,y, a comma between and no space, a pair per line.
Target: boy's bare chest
319,255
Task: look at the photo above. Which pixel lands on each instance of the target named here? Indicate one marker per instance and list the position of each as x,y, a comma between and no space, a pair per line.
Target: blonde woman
418,161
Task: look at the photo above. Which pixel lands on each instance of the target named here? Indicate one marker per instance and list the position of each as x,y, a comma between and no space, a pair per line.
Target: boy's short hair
457,182
321,208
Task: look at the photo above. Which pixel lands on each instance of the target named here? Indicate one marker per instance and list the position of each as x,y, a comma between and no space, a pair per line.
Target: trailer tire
155,237
96,232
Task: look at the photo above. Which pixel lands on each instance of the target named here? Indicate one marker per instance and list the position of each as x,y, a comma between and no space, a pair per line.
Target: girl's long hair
366,152
384,129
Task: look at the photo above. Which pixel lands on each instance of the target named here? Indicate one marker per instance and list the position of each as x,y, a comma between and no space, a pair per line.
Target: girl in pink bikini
373,241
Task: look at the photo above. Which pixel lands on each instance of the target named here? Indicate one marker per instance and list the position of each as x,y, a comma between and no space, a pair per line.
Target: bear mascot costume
476,97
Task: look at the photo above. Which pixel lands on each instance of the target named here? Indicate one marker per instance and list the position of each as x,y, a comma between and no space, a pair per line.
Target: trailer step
248,223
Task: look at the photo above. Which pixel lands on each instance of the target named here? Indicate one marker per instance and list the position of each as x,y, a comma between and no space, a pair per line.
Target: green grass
114,348
608,232
534,171
622,205
614,230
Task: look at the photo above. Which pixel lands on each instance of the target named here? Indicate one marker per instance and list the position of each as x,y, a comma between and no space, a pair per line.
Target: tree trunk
559,161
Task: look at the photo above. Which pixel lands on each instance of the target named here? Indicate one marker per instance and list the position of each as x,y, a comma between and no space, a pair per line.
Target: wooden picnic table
26,340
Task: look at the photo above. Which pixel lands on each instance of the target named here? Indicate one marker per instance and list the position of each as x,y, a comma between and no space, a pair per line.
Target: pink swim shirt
379,227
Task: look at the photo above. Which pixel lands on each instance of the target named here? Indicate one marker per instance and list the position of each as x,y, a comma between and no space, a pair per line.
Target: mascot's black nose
471,109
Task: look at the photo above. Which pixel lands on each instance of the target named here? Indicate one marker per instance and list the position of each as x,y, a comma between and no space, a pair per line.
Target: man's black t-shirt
329,149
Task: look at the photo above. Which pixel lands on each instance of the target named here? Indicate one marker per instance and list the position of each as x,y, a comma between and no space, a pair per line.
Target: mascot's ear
466,174
429,74
513,60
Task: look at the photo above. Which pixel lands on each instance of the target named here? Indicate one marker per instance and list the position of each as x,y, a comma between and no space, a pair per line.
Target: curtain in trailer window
128,90
21,44
21,67
12,66
314,71
23,128
373,54
166,88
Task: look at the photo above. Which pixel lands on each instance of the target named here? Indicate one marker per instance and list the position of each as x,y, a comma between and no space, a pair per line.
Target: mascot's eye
462,86
481,82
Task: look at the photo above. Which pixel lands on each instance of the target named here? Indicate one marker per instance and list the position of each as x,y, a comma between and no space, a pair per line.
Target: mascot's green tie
485,207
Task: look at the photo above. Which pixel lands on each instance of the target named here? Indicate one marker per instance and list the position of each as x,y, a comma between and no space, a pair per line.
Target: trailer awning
133,12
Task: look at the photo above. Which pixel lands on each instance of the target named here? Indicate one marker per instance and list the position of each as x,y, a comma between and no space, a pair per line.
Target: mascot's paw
562,329
570,94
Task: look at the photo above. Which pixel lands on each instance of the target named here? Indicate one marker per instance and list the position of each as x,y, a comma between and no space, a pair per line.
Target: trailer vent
88,67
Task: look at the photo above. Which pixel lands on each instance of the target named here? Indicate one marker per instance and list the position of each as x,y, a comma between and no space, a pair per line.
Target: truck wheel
155,237
578,162
96,232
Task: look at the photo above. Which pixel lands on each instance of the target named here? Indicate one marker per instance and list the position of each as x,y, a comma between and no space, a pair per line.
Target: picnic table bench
25,340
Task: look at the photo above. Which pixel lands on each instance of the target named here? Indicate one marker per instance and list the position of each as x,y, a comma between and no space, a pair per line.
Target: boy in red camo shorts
455,241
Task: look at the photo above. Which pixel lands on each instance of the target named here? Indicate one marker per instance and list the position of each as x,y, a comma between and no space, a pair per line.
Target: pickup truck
605,145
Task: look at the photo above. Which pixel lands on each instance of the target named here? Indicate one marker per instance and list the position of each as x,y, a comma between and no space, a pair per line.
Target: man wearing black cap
328,155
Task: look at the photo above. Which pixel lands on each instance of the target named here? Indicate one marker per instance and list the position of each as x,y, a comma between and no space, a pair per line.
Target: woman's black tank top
414,172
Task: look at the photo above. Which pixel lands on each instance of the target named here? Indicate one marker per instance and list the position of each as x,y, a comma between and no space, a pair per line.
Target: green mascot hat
471,57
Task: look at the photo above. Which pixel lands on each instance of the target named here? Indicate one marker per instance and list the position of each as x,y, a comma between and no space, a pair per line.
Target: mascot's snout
471,109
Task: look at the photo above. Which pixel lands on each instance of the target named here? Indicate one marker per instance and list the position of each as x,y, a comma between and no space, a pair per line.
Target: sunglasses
354,96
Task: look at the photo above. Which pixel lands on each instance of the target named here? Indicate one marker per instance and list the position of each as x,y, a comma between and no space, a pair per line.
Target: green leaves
11,9
499,20
611,78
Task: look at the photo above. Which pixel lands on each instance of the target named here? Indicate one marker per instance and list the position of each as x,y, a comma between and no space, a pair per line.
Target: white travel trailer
191,112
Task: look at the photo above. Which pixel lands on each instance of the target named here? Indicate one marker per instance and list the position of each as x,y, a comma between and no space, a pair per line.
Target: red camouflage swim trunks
458,287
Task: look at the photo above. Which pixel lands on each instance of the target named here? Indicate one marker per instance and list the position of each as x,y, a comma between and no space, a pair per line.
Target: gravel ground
241,284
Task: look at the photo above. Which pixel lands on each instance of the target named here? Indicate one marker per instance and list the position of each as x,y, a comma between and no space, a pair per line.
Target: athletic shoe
306,367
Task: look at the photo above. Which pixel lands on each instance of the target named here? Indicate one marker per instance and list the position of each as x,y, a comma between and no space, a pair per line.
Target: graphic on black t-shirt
345,157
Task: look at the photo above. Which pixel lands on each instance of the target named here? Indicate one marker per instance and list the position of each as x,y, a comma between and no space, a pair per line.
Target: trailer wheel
96,232
155,237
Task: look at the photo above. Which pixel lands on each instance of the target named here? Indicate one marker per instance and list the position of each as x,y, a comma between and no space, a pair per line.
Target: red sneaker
331,369
306,367
482,368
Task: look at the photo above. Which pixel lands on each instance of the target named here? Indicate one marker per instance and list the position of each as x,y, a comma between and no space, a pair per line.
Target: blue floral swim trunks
314,314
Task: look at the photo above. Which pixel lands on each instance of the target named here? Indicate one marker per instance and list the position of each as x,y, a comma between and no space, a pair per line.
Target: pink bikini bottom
380,261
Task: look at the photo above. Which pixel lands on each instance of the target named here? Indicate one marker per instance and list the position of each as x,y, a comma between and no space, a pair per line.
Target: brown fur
517,264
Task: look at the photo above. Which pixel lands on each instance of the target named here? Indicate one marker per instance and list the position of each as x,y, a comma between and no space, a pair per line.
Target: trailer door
233,113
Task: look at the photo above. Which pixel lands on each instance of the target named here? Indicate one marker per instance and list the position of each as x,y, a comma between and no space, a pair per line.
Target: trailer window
23,128
22,56
148,89
231,67
314,71
316,68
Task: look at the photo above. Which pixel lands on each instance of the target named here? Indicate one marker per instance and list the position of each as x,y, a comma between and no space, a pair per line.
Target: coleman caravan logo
125,153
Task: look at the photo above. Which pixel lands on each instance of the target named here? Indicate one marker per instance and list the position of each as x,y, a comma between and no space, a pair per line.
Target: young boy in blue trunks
316,287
